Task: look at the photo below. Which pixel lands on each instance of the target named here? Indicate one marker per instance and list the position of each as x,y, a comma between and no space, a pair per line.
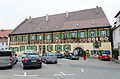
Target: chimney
30,19
97,9
46,17
67,15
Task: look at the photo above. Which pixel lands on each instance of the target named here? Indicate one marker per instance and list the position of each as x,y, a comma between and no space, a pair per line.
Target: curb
117,61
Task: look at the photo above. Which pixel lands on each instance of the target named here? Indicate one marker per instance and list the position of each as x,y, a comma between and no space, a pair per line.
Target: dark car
71,56
32,60
59,55
7,58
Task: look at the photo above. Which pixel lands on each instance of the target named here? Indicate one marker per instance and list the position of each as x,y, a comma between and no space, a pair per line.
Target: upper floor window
56,36
25,38
3,44
82,35
19,38
92,34
65,35
58,47
103,33
40,37
15,49
5,38
6,43
73,34
0,38
33,37
13,39
48,37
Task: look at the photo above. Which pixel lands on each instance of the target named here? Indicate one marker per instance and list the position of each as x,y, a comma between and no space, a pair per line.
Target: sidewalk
117,61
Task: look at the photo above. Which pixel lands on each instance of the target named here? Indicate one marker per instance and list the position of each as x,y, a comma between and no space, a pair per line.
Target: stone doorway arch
78,51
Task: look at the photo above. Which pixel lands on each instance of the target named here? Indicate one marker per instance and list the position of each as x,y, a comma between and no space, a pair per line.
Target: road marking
82,70
63,74
25,74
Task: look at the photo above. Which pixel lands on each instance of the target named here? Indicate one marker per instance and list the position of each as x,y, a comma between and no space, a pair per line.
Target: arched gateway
78,50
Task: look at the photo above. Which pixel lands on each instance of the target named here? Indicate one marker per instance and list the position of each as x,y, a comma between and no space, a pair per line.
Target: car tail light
11,58
40,59
25,59
47,58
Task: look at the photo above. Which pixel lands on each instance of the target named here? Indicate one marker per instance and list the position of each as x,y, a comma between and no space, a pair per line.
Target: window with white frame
33,37
25,38
34,47
19,38
58,47
40,37
29,47
15,49
67,47
92,34
103,33
13,39
73,34
48,37
2,43
82,35
56,36
65,35
22,48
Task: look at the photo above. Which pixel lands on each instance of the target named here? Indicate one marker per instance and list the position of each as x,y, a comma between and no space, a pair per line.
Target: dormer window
103,33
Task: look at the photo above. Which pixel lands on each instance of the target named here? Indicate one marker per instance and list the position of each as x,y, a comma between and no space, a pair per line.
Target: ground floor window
22,48
49,47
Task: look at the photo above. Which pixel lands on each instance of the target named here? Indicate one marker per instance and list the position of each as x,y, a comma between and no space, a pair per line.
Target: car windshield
104,55
5,53
33,55
51,54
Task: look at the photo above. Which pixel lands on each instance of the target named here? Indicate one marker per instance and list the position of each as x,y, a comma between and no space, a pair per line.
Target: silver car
49,57
7,58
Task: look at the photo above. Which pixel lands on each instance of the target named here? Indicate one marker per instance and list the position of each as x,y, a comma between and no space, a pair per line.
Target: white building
4,39
116,32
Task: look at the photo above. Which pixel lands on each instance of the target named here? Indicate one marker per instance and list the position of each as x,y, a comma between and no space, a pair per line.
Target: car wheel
24,67
71,58
55,62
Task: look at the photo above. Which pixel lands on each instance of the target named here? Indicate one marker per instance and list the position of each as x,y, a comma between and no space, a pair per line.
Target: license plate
33,60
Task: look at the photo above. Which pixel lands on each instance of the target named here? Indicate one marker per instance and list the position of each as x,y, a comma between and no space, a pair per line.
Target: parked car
49,57
7,58
32,60
71,56
59,55
104,57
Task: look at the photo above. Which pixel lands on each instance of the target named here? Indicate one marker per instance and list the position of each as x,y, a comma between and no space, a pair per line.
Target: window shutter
107,32
100,44
27,47
55,47
59,36
70,35
64,47
76,34
31,47
95,33
85,34
45,37
30,38
12,49
17,38
98,52
91,52
14,38
34,37
24,47
50,36
35,48
38,37
23,38
67,35
42,37
20,48
47,47
93,44
20,38
17,49
53,36
70,47
60,47
27,38
88,34
51,47
99,33
62,35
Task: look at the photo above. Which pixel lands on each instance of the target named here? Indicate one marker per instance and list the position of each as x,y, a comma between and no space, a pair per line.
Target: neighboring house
86,30
116,32
4,39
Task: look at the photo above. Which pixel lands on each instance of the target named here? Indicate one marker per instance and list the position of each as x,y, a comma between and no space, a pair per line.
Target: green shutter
27,47
45,37
98,52
99,33
24,47
50,36
27,38
59,36
88,34
91,52
85,34
70,47
14,38
23,38
47,47
107,32
35,48
51,47
62,35
64,47
31,47
38,37
100,44
17,38
67,35
93,44
30,38
95,33
20,48
42,37
17,49
34,37
76,34
60,47
55,47
53,36
20,38
70,35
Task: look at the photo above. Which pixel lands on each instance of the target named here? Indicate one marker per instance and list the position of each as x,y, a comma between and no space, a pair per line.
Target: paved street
66,69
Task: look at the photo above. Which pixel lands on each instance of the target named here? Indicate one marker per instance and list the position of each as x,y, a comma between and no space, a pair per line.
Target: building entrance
78,51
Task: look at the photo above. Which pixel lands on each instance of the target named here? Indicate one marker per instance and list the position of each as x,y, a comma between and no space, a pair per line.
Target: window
3,44
56,36
48,37
0,38
40,49
67,47
82,35
5,38
40,37
13,39
65,35
33,37
2,48
29,47
119,32
25,38
22,48
103,33
58,47
92,34
6,43
15,49
19,38
34,47
73,35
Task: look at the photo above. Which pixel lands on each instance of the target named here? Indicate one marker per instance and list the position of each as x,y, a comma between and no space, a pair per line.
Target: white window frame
82,34
65,35
92,34
32,37
34,48
48,37
66,47
73,34
25,38
15,49
58,47
103,33
56,36
22,48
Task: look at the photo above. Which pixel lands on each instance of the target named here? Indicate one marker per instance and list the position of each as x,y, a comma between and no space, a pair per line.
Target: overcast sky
13,12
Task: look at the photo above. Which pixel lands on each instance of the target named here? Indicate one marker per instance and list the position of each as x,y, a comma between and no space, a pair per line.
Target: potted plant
84,55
